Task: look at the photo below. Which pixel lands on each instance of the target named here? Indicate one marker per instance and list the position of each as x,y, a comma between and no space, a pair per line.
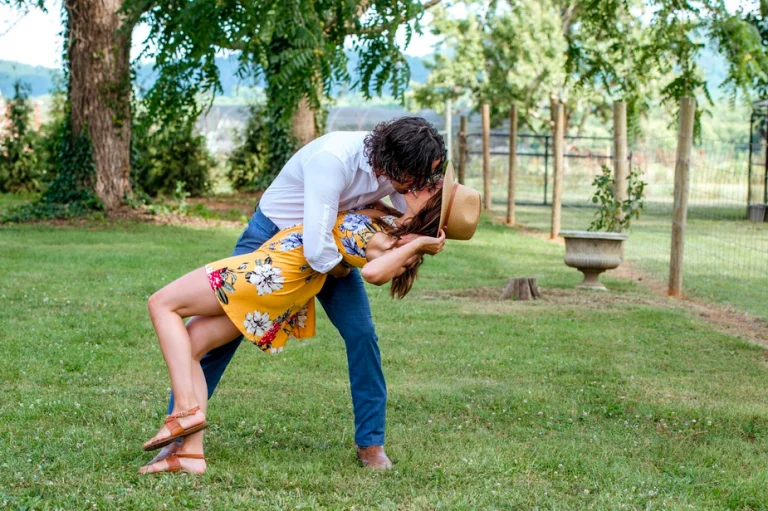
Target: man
341,171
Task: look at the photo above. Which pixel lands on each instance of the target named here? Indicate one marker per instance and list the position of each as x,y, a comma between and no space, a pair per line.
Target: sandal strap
173,425
194,456
174,465
191,411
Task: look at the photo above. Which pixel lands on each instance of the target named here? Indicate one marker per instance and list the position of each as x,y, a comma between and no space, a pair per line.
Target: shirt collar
364,165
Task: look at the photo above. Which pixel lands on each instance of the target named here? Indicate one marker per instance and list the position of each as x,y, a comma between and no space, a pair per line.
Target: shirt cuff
325,268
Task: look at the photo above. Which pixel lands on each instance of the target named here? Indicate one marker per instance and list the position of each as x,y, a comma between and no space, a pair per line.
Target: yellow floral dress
269,294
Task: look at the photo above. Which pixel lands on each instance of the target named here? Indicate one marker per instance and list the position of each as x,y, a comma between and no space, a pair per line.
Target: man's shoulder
347,146
342,141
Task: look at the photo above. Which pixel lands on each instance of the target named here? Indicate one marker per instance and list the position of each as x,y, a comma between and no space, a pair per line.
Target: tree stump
524,288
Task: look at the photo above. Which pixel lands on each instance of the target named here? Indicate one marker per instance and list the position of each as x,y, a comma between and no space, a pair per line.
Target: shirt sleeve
325,178
398,202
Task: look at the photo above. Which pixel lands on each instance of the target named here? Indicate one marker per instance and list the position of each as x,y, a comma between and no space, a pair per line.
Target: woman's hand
430,245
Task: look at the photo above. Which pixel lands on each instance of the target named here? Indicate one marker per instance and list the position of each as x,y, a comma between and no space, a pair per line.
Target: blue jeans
346,304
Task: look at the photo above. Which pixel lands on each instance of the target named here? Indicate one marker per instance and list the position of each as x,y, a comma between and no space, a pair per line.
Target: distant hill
42,79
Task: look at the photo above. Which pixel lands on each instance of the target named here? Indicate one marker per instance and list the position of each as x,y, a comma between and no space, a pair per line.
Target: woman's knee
158,303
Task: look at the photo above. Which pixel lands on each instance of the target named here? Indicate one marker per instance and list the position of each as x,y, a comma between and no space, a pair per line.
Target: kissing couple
320,230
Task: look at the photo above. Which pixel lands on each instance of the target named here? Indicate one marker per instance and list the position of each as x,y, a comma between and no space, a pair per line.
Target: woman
268,296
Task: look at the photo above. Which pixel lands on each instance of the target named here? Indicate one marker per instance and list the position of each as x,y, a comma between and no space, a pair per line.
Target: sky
34,37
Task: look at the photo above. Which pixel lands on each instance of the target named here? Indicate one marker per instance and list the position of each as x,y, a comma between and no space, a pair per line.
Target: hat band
448,209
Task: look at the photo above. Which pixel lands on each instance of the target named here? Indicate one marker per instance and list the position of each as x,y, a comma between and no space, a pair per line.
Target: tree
532,53
98,45
497,53
626,50
97,69
297,47
669,44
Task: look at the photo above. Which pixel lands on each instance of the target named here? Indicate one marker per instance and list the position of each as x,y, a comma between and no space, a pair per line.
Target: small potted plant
592,252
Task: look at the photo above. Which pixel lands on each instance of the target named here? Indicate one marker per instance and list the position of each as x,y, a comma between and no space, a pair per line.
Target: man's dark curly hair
405,149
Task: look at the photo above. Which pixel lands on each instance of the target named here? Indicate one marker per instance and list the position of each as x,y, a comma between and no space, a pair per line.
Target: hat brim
449,181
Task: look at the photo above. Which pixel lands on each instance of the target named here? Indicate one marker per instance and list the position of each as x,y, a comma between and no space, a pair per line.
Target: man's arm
324,181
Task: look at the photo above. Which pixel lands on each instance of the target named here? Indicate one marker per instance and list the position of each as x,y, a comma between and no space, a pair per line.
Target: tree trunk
99,47
304,123
521,289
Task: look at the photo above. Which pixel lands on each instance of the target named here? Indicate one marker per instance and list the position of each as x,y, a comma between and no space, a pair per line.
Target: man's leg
347,306
259,230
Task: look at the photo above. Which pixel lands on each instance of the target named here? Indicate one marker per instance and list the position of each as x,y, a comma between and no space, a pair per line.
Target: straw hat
461,208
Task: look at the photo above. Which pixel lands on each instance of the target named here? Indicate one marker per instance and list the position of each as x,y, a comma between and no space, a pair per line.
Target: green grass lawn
725,260
726,256
577,401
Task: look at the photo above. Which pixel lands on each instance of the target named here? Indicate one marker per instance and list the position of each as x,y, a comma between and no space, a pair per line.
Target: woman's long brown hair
425,223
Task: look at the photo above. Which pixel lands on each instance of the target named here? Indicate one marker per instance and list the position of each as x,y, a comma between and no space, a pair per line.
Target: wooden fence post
487,156
449,128
620,163
512,165
680,205
557,185
462,148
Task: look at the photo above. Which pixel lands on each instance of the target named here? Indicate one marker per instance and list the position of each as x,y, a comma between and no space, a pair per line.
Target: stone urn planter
592,253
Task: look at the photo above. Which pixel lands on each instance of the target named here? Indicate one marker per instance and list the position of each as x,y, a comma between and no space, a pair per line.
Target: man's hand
340,271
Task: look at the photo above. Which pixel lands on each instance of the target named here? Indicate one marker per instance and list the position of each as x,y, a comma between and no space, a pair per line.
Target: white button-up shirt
325,176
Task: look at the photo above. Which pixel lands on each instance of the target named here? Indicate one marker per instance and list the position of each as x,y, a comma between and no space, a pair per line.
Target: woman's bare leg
205,334
190,295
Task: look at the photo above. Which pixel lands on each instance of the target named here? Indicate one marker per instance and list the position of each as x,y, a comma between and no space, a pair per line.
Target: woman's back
269,294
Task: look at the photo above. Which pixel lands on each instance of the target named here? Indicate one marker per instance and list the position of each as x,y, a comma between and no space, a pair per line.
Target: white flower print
266,278
257,322
390,220
301,316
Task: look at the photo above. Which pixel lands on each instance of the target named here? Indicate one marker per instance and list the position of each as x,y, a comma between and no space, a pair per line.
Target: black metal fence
583,159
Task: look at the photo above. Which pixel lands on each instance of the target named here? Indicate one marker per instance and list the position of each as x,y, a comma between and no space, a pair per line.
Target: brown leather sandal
176,429
174,464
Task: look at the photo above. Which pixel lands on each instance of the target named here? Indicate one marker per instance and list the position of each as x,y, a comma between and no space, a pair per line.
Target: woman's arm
393,261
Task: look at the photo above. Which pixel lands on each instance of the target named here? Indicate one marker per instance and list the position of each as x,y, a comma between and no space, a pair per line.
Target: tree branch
380,29
361,10
567,14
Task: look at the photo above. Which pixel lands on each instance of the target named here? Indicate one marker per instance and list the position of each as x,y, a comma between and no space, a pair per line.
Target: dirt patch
723,319
242,203
550,296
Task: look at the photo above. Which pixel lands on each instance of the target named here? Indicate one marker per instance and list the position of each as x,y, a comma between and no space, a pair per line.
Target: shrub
164,156
19,160
614,215
247,164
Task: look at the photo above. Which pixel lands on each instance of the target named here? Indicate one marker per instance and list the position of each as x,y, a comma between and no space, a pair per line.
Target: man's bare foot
175,424
172,458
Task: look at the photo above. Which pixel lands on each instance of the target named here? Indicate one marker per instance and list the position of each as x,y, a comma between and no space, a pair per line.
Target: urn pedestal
592,253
